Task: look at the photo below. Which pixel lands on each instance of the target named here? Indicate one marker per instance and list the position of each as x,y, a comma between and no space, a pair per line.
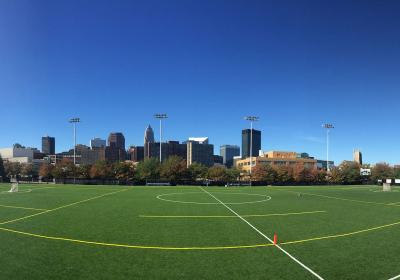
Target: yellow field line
88,188
196,248
341,235
20,207
226,216
132,246
61,207
339,198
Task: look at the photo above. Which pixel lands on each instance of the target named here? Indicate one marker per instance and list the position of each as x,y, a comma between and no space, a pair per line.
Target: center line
265,236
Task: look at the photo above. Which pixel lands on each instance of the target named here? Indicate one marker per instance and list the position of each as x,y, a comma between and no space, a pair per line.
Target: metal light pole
251,119
328,127
160,117
74,121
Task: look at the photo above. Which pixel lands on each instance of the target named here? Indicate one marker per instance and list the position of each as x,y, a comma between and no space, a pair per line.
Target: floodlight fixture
161,117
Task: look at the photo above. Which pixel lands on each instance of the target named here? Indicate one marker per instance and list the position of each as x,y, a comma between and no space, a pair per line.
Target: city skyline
207,65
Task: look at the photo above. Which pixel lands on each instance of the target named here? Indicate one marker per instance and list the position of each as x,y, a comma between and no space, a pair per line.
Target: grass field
105,232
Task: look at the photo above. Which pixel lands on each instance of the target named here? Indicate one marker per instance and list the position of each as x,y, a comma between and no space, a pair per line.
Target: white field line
265,236
61,207
396,277
42,188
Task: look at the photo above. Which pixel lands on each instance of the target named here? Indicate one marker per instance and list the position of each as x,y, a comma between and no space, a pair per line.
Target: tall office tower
357,156
256,147
136,153
48,145
115,151
148,139
117,140
97,143
200,151
228,152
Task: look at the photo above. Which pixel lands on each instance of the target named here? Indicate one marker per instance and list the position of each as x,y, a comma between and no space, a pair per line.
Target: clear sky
295,64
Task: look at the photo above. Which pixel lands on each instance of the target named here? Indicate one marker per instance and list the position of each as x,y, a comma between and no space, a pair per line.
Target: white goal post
14,188
387,187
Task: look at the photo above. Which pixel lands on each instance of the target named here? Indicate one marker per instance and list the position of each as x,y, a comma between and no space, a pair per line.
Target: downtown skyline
207,66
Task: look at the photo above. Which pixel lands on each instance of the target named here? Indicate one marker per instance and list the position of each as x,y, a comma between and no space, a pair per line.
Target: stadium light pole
251,119
160,117
328,128
74,121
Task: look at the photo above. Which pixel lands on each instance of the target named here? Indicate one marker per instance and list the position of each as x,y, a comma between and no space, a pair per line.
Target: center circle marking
162,197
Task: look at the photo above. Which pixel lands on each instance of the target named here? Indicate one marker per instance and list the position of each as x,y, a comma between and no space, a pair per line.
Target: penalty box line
265,236
61,207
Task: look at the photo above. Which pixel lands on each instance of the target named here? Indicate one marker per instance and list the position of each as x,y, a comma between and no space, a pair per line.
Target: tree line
175,170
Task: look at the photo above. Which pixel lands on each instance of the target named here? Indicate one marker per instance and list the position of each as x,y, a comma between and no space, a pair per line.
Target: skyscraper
228,152
136,153
256,145
357,156
115,151
117,140
48,145
148,139
97,143
200,151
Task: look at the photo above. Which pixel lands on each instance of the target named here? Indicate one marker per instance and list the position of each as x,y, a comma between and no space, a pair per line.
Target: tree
27,170
264,173
45,171
124,171
173,169
319,176
381,171
335,176
196,171
284,174
233,174
64,169
101,170
12,169
350,172
303,174
396,172
217,173
149,169
83,171
2,170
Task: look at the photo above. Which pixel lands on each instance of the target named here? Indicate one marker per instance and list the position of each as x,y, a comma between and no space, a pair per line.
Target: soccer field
115,232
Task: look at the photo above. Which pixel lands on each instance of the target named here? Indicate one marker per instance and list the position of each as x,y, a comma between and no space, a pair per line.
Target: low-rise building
21,154
278,158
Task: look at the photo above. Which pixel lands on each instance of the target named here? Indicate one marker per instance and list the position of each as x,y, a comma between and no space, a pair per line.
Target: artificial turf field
105,232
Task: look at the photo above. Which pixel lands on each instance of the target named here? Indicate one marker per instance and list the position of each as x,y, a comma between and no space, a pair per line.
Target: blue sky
295,64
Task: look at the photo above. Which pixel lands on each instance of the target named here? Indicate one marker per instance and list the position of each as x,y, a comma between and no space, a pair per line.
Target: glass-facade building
256,147
48,145
228,152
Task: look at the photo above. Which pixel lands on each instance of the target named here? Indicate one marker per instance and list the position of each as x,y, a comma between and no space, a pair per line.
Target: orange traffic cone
275,239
